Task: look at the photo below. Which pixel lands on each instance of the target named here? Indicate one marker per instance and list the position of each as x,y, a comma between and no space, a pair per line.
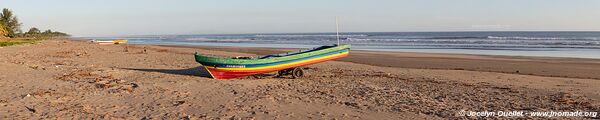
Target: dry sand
72,79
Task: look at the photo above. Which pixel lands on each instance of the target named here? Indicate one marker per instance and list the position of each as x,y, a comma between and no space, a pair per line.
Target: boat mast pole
337,30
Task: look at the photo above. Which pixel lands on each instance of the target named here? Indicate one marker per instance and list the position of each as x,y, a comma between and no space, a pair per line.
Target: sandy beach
78,79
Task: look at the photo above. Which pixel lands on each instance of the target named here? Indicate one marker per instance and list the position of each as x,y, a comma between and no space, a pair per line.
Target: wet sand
74,79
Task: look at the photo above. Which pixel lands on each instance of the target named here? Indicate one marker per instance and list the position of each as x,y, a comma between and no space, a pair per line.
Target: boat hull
109,42
229,73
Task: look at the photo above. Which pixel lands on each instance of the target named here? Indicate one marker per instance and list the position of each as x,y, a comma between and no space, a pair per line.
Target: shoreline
455,51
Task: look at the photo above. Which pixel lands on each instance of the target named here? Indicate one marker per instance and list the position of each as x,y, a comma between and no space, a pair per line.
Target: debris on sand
30,109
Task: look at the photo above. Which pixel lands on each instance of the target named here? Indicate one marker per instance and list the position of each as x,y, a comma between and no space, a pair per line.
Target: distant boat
104,42
227,68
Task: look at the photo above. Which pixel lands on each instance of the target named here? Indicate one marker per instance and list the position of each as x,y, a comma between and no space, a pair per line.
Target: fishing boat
107,42
285,63
228,68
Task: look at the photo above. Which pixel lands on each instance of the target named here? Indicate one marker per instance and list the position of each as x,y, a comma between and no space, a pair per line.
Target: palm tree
11,23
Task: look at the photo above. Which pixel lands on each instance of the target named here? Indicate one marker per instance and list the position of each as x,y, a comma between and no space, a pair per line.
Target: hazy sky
144,17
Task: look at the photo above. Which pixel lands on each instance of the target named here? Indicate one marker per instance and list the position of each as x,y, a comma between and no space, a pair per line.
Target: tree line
11,27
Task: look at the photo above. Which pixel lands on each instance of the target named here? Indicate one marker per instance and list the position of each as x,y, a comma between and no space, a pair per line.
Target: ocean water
549,44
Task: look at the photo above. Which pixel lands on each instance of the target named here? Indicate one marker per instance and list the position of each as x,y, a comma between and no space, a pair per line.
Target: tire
281,73
297,73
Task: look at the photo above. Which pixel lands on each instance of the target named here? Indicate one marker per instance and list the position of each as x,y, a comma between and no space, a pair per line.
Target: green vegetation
11,34
10,22
35,32
19,41
9,43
